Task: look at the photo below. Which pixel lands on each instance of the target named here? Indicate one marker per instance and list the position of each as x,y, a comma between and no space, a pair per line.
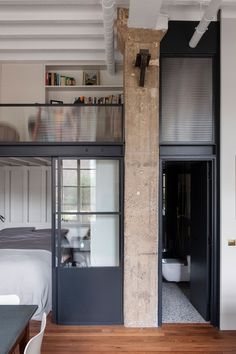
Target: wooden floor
171,338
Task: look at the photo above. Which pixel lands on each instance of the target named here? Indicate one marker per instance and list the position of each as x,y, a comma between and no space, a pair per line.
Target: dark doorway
187,233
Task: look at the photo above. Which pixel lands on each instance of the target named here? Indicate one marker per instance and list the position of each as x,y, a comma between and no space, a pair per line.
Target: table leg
24,339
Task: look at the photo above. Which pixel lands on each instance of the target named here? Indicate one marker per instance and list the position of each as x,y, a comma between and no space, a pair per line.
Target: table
14,326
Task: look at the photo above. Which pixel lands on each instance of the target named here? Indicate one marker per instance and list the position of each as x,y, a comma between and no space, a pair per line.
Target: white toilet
173,269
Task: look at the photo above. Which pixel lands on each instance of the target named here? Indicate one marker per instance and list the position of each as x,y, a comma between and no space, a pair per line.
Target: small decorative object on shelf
91,77
79,100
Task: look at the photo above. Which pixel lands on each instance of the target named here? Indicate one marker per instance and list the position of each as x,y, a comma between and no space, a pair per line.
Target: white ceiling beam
55,44
45,161
184,13
78,30
53,55
82,58
162,22
59,2
191,10
203,3
51,22
23,161
49,2
4,162
144,14
26,161
58,36
51,13
124,3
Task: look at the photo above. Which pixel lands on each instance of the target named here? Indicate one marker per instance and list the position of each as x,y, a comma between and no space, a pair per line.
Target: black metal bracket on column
142,61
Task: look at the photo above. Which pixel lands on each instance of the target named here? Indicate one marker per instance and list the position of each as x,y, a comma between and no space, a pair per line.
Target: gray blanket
30,238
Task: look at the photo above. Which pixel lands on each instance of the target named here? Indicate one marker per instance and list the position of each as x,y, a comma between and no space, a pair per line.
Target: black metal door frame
95,151
214,252
103,285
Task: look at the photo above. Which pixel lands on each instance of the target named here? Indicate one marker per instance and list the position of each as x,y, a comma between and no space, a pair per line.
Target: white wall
22,83
0,83
25,196
228,173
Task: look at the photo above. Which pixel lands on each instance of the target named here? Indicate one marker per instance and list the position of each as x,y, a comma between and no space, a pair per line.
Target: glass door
87,212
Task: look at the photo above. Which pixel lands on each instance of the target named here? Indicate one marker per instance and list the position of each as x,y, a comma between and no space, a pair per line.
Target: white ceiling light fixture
208,16
109,11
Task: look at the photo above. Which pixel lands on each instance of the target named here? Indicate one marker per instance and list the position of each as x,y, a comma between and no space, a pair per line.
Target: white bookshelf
109,84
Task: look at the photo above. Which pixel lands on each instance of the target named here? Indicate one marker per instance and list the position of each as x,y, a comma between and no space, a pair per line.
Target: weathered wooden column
141,175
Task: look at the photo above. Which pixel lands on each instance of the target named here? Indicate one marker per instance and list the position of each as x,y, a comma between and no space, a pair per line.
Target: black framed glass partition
88,242
87,212
86,151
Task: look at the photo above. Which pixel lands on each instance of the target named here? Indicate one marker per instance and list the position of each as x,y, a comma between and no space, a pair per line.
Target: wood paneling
170,338
25,194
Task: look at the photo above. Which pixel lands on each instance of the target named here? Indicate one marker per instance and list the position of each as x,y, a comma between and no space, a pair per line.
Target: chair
34,344
8,132
11,299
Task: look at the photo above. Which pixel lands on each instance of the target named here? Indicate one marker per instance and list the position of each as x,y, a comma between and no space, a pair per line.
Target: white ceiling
25,161
73,30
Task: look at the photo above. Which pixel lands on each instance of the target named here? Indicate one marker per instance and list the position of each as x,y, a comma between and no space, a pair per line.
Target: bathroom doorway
187,234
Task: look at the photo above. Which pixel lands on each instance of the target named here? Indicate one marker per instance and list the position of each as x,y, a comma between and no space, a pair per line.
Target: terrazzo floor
176,308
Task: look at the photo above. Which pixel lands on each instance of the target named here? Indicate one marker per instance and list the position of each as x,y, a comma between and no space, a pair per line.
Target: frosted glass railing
60,123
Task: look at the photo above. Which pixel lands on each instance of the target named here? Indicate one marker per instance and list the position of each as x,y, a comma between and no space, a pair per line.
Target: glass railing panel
60,123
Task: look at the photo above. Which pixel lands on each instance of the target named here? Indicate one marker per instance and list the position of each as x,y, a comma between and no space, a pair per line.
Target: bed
25,266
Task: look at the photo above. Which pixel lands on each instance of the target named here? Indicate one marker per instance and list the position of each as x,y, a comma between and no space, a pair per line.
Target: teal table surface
13,320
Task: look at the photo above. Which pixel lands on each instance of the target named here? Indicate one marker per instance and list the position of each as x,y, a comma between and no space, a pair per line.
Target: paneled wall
25,196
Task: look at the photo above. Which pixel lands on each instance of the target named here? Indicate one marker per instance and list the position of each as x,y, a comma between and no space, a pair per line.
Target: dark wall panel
90,296
176,40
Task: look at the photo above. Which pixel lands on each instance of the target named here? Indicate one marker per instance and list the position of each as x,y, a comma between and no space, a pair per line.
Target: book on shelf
56,79
111,99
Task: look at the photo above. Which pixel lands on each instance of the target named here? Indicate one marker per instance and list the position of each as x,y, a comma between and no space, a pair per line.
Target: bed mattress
27,273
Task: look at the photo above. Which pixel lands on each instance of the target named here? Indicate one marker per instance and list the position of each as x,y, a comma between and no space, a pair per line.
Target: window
78,185
88,212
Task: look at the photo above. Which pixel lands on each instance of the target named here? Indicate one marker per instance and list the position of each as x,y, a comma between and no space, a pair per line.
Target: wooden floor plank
170,338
